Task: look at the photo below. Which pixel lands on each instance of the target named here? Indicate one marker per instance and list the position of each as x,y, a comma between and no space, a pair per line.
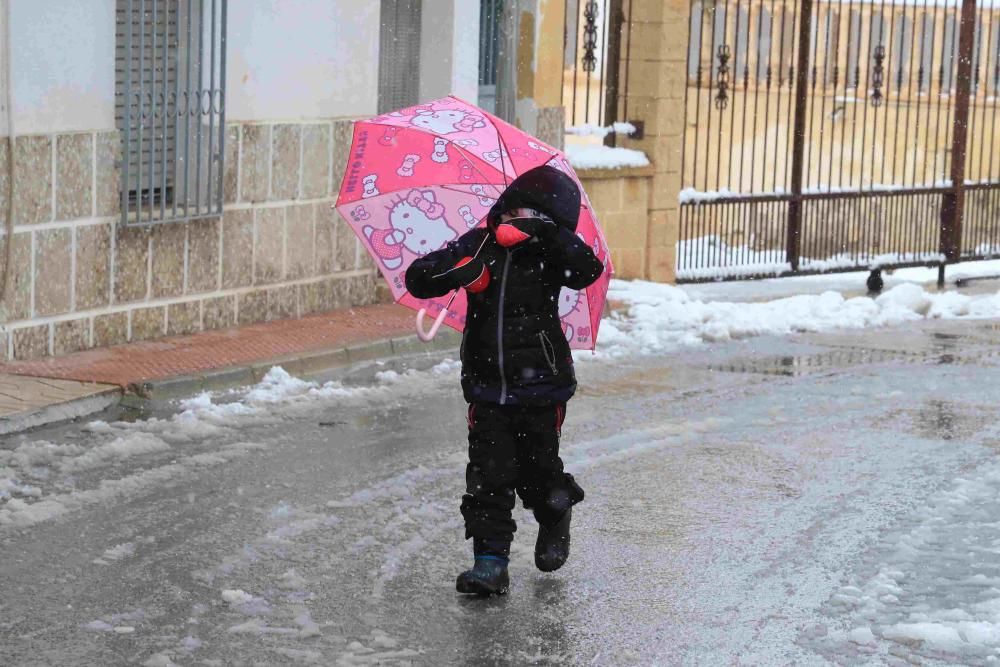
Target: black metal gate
832,135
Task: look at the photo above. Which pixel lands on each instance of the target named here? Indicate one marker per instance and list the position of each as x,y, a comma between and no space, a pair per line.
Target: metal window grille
399,54
489,52
170,83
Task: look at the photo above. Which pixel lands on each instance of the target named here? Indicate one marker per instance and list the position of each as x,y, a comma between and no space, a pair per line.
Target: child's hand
516,230
541,228
471,274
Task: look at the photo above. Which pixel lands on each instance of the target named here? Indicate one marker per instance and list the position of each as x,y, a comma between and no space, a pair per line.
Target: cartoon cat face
446,121
421,220
569,301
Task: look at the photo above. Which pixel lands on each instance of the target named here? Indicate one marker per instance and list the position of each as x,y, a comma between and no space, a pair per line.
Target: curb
60,412
304,364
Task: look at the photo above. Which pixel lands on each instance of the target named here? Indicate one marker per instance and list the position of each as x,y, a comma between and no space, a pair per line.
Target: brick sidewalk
135,363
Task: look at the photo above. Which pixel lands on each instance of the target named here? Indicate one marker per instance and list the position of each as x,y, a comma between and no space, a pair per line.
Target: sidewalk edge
302,364
60,412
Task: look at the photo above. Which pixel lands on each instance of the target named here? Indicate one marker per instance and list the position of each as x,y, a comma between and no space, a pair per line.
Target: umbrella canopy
420,177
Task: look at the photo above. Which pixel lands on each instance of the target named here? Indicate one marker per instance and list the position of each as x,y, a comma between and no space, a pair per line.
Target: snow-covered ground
659,318
662,317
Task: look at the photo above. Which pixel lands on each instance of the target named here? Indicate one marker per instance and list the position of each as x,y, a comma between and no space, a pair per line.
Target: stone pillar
449,49
657,80
537,79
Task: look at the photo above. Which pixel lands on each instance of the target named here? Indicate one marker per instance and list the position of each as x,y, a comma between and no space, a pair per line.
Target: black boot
487,577
552,546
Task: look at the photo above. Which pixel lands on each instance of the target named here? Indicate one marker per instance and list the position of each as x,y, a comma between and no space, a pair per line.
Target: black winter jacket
514,351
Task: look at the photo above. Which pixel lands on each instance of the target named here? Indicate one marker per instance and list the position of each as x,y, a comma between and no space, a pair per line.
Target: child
517,370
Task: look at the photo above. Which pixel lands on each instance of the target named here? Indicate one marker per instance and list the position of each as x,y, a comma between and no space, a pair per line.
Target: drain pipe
8,243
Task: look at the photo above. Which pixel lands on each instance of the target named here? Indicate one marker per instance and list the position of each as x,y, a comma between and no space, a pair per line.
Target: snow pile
936,591
120,551
662,317
133,444
11,486
587,156
446,367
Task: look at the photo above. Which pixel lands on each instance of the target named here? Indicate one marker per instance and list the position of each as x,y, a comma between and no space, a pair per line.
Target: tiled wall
79,279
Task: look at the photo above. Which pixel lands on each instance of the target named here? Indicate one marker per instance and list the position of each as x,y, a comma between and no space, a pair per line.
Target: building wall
81,279
298,71
62,66
302,59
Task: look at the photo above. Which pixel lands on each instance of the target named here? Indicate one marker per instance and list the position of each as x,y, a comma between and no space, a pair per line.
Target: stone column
449,49
536,80
657,80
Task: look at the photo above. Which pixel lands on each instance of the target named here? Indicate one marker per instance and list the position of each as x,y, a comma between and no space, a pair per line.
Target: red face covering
507,233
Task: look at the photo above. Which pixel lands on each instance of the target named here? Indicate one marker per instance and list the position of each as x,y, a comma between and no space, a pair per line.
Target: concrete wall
302,59
62,65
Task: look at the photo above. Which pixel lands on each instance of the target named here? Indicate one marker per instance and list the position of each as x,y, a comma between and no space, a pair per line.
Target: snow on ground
920,596
663,317
41,480
852,281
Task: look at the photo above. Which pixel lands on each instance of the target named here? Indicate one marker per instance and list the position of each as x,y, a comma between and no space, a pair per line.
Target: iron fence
596,45
829,135
170,108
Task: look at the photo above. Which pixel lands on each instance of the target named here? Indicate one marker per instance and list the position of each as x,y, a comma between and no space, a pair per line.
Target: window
489,52
853,73
950,55
170,107
927,34
902,46
694,42
742,37
763,43
399,55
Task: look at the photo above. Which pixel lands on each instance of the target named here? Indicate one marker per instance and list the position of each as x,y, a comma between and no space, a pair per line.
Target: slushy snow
936,587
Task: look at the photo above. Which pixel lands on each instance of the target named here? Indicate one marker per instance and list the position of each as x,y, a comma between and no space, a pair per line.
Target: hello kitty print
417,225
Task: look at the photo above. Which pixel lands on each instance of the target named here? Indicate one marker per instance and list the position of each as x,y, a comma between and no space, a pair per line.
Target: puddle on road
808,364
941,349
937,419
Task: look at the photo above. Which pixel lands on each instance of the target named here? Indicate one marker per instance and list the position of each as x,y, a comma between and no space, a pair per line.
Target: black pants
513,448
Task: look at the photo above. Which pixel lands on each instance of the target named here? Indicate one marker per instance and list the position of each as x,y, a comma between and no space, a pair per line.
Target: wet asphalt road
731,489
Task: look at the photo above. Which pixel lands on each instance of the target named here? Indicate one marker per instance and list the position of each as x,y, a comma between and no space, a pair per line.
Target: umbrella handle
426,336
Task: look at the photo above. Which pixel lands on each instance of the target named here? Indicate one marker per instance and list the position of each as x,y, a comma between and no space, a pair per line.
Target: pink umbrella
421,177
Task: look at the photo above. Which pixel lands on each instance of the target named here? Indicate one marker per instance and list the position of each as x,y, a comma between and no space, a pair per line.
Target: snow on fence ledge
604,157
710,258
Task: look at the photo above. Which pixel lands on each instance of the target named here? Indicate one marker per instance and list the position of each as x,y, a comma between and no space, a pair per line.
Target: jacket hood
545,189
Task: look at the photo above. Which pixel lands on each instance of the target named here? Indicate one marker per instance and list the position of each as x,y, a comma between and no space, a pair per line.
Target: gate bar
953,203
793,243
